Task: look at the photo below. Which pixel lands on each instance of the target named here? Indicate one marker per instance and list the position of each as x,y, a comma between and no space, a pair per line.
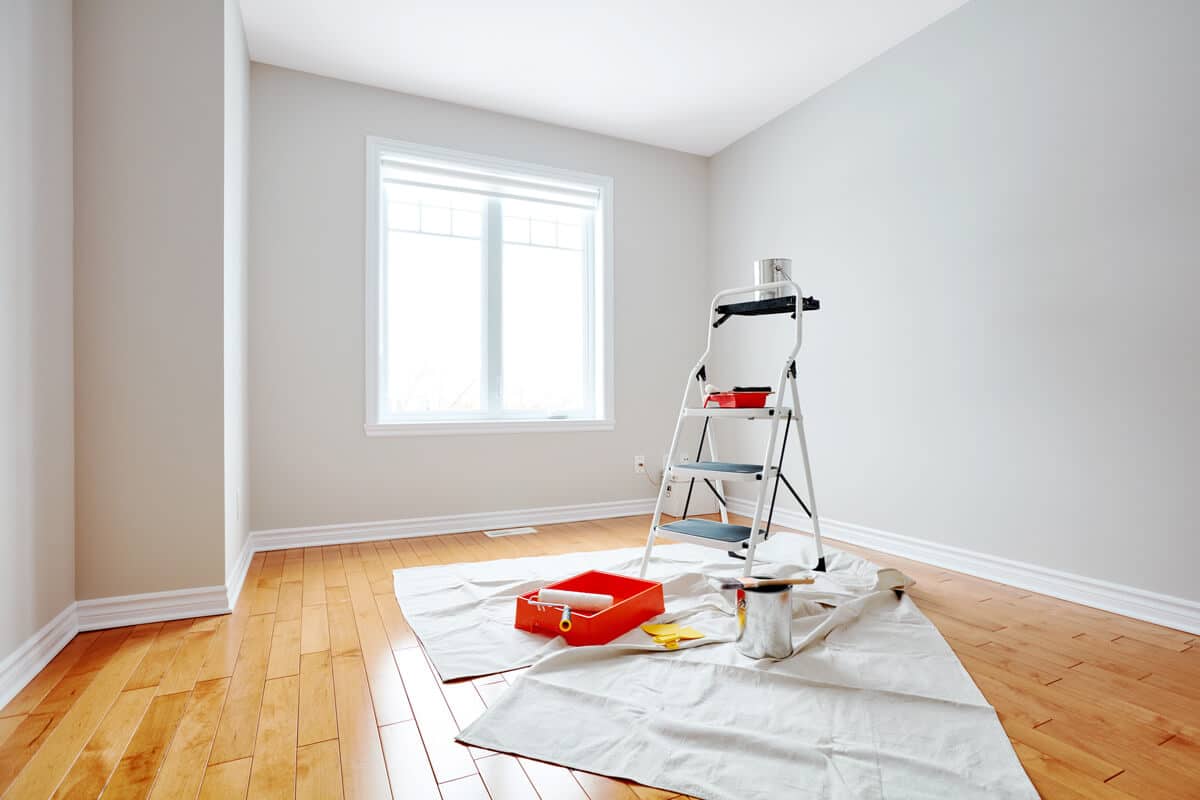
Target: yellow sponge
670,634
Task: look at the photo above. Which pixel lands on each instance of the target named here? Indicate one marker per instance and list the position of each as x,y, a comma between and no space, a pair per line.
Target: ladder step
706,532
720,471
736,413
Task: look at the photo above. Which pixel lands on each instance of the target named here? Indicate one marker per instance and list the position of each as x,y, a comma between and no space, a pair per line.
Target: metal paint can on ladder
764,616
770,270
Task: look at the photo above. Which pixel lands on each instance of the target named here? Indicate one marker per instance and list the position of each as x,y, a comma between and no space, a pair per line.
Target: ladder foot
820,567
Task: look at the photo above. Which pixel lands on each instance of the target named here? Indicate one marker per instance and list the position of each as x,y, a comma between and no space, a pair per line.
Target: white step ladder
740,540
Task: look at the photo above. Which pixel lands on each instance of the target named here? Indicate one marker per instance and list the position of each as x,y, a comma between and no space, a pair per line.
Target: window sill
483,426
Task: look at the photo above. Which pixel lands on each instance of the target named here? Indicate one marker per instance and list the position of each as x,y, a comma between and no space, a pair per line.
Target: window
488,294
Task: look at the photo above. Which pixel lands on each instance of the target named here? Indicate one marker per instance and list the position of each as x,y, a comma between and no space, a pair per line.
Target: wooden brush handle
751,583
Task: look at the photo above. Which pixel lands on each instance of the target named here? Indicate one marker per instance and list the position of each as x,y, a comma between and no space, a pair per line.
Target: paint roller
580,601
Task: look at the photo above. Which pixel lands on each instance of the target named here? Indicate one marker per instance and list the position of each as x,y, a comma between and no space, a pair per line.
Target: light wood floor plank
399,634
504,778
139,766
223,650
239,719
408,768
450,759
183,672
183,766
285,649
464,789
22,743
226,781
343,631
387,690
100,756
314,577
551,780
319,771
598,787
273,771
161,654
314,628
318,717
291,596
364,774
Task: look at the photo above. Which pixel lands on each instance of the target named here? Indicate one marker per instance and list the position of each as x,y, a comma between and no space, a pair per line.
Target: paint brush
754,583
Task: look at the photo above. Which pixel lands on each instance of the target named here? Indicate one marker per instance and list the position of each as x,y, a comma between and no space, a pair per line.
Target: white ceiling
691,75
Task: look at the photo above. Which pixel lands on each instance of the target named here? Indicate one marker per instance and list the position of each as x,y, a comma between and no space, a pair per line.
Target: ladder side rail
812,497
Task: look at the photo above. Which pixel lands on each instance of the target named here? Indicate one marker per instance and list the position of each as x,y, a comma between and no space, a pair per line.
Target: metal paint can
770,270
765,622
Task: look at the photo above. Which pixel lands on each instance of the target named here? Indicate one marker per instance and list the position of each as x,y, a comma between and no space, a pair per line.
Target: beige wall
237,143
1000,218
311,463
149,107
37,562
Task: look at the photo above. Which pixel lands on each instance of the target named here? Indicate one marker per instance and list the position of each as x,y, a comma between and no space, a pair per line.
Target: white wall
1000,218
149,153
236,246
311,463
37,561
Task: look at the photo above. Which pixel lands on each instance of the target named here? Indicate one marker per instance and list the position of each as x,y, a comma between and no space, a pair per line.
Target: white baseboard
318,535
19,668
136,609
237,576
1161,609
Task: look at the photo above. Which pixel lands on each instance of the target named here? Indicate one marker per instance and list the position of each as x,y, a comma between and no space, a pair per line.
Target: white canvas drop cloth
874,704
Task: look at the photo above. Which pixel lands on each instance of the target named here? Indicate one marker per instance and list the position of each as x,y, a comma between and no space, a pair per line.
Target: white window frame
600,296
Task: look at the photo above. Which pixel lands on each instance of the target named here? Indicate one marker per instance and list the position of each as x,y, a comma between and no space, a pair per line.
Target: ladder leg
812,497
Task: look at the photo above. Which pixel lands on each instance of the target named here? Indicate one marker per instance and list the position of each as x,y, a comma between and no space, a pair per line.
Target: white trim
136,609
1161,609
318,535
237,576
32,656
474,426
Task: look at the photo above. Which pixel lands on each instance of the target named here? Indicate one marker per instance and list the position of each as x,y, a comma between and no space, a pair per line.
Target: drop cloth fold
874,704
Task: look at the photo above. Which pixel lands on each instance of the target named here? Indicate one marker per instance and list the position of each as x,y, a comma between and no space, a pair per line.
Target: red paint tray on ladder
634,601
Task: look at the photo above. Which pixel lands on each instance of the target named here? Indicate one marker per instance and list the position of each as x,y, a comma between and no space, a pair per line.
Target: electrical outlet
639,465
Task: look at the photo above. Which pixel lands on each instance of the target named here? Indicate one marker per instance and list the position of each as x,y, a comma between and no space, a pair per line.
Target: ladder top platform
774,305
715,533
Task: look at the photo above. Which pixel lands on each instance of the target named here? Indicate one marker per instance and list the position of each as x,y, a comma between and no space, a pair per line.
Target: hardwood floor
316,687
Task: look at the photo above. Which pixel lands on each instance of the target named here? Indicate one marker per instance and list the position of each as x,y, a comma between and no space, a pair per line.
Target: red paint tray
634,601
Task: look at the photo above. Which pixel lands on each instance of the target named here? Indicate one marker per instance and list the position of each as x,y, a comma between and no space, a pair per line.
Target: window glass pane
466,223
544,328
570,236
542,232
435,219
404,216
516,229
434,352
